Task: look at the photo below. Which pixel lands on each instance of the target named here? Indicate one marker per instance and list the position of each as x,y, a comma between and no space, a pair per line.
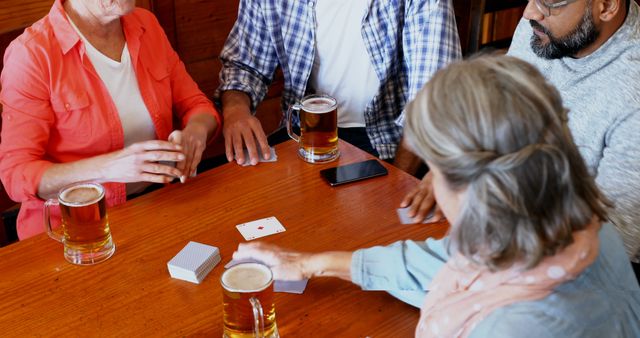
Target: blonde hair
494,126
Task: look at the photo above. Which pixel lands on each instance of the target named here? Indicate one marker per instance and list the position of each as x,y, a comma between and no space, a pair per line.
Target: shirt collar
66,35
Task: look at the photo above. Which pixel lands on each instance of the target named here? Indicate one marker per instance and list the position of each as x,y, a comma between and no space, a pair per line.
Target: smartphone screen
353,172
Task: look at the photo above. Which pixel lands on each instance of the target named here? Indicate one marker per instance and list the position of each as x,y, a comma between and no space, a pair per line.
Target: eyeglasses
545,6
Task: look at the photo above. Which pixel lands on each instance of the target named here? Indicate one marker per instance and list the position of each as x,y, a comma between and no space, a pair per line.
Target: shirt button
310,3
66,105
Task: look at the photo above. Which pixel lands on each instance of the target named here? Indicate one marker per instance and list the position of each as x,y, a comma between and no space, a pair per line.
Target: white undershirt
342,67
122,84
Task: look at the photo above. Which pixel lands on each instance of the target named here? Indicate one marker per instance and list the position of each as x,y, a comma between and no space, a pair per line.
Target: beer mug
318,140
85,225
248,308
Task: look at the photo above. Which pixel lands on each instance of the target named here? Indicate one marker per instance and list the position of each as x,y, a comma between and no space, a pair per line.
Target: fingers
423,208
263,143
250,142
197,157
238,145
228,147
161,155
154,168
437,215
154,178
186,164
245,132
263,252
406,201
153,145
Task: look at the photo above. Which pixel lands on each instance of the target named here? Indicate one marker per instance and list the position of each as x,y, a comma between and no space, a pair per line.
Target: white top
120,80
342,67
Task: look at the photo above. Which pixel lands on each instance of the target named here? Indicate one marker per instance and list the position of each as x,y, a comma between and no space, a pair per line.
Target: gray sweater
602,92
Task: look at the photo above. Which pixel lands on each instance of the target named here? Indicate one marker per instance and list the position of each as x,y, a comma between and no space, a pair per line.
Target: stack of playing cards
403,215
194,262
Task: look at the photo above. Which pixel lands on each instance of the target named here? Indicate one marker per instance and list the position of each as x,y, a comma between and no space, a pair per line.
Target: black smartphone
353,172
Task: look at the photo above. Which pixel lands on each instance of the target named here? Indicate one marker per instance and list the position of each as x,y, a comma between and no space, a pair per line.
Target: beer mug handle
293,135
47,220
258,317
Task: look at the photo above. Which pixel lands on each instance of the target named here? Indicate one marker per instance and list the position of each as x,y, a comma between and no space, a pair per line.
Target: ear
607,10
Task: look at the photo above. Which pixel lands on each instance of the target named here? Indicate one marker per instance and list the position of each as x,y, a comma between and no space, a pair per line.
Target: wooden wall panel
202,27
16,14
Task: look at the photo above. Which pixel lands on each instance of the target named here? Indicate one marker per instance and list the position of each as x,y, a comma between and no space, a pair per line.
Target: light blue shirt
604,301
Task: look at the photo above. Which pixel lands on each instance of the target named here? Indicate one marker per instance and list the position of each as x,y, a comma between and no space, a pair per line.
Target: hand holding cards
403,215
296,286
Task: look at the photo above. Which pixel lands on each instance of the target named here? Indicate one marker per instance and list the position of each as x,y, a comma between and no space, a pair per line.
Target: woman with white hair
90,93
528,253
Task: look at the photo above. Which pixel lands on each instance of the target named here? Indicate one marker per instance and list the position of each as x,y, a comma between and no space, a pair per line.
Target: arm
201,123
249,61
618,177
430,42
26,169
136,163
292,265
404,268
406,160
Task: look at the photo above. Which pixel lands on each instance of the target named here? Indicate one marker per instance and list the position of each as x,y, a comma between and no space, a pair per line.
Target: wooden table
132,293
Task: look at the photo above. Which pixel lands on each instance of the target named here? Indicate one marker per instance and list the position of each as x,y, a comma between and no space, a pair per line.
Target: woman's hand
293,265
139,163
193,139
285,264
421,200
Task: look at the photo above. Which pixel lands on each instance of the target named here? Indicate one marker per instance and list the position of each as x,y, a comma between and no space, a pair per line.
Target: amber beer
318,141
247,295
85,224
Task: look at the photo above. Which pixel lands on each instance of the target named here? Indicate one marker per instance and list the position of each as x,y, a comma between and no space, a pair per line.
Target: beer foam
318,105
81,195
247,277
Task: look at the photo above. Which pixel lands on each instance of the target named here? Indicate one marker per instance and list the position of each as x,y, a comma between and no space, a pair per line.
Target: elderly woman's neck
91,21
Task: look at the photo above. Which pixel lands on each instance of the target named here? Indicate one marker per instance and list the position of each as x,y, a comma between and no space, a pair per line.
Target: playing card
260,228
296,286
403,214
272,158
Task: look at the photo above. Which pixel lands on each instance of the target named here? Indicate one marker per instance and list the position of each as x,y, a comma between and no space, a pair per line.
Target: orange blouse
56,108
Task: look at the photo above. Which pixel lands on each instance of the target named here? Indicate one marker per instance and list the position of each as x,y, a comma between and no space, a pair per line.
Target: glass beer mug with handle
86,235
318,140
248,307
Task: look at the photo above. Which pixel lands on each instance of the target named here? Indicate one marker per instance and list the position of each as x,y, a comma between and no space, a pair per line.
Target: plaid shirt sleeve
248,57
430,42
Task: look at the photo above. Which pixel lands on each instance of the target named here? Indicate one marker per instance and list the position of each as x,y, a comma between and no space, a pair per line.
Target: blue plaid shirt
408,41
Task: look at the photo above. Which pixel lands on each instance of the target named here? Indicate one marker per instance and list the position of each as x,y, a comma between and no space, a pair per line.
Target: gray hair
494,126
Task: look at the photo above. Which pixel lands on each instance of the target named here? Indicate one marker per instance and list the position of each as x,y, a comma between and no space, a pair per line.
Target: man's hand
421,200
242,129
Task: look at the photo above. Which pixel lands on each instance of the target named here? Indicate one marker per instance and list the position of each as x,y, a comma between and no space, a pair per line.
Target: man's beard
571,44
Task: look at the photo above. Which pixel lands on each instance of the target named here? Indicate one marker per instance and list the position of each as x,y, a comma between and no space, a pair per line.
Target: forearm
235,101
204,121
329,264
62,174
406,160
